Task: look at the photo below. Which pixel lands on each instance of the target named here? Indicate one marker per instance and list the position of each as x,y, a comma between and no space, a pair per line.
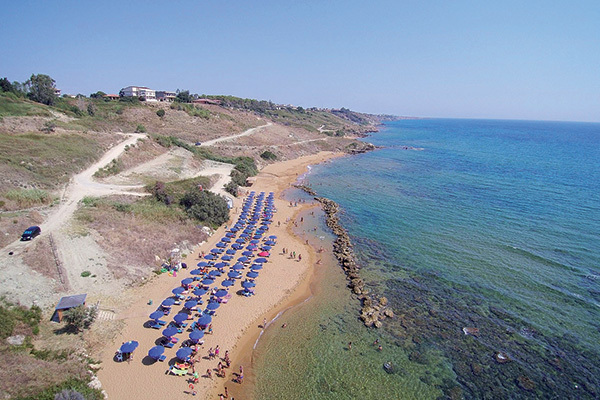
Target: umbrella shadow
149,360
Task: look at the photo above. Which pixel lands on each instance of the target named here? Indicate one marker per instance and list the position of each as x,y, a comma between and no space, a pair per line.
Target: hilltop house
139,91
163,95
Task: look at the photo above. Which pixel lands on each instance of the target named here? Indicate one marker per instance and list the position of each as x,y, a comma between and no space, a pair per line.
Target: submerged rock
502,357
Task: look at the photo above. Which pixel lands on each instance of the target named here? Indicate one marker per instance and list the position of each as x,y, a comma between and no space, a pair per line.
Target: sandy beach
236,327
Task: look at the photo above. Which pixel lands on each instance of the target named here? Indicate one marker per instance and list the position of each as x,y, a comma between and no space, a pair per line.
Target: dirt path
245,133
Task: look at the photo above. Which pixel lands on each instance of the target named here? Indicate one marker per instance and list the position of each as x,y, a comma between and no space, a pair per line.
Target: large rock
16,340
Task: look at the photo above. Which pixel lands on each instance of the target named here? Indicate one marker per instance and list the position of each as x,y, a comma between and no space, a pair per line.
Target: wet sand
282,283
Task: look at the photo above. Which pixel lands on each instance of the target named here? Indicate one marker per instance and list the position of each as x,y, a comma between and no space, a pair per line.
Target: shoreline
236,328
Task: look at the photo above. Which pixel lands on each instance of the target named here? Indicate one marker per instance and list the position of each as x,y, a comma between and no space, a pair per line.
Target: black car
31,232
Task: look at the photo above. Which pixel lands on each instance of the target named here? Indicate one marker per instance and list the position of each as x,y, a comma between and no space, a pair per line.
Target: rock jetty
374,310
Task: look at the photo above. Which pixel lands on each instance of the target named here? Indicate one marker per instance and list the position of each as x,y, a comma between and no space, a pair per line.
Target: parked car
31,232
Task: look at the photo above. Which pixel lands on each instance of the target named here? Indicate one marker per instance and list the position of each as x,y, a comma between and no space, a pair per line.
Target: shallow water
488,224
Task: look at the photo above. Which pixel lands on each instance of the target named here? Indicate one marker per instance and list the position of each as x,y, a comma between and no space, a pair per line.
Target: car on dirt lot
30,233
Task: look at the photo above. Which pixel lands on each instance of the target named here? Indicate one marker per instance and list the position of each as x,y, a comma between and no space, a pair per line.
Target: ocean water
458,223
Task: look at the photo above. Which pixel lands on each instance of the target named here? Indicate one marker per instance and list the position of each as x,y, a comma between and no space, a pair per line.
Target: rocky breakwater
374,310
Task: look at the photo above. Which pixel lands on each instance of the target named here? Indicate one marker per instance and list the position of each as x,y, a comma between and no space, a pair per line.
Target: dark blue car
31,232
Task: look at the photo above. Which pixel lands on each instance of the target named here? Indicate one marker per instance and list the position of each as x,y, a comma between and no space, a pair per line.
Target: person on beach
209,373
299,257
349,345
217,351
226,393
379,348
211,353
376,342
210,329
226,355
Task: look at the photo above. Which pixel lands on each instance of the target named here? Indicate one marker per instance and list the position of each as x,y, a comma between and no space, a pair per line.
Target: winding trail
245,133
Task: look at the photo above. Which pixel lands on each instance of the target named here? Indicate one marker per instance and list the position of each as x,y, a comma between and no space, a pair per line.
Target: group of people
292,254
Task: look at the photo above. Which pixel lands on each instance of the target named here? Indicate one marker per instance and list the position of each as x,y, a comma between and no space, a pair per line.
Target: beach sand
282,283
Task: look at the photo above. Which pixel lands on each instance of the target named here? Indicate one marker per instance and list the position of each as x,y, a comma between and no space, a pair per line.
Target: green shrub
140,129
161,113
232,188
206,207
28,197
85,274
268,155
113,168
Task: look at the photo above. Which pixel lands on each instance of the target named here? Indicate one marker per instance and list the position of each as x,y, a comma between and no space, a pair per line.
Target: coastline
284,283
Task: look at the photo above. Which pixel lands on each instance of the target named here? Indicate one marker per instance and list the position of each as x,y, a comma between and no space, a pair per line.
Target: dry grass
13,224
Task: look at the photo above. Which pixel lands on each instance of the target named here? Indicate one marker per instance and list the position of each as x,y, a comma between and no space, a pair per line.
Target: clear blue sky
473,59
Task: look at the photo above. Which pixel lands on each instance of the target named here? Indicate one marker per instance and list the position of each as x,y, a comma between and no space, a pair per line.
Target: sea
485,224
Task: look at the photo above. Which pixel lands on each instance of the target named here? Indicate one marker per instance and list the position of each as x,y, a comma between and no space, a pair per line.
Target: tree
91,109
160,113
6,86
205,206
184,96
98,95
80,317
41,89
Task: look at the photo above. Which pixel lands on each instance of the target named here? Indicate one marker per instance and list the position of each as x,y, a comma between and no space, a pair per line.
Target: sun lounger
161,322
162,358
176,371
169,345
155,326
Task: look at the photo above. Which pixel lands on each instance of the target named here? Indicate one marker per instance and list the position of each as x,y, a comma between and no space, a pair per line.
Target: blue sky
459,59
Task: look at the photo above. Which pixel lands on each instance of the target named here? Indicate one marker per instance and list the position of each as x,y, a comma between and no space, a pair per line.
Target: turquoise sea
458,223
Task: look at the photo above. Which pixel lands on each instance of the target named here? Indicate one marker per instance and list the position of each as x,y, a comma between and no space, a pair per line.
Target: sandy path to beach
236,324
245,133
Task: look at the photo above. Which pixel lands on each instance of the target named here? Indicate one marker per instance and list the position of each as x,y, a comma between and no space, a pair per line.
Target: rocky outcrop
374,310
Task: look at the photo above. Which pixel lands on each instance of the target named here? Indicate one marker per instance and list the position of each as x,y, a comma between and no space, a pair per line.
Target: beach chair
119,356
169,345
161,322
176,371
162,358
155,326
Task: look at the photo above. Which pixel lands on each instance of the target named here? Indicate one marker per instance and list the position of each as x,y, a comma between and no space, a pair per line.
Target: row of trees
39,88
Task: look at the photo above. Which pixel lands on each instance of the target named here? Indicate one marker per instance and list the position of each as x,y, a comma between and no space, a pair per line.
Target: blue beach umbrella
179,318
266,248
156,352
230,235
248,253
252,274
243,259
220,265
256,267
270,243
196,272
272,237
214,273
257,236
254,241
227,283
187,281
226,239
200,292
202,264
243,235
204,320
196,335
260,260
157,315
248,284
237,267
216,251
209,257
231,251
240,241
168,302
221,245
207,281
236,246
183,353
190,304
234,275
221,293
178,290
212,305
170,331
227,257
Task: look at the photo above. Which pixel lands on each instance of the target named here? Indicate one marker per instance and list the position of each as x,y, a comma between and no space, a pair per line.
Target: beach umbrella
272,237
196,335
199,292
248,253
187,281
266,248
260,260
183,353
156,352
256,267
207,281
227,283
248,284
234,230
234,275
202,264
168,302
196,272
157,315
216,251
225,239
230,235
214,273
237,267
209,257
129,347
179,318
178,290
254,241
270,243
170,331
190,304
252,247
231,251
220,265
221,293
221,245
264,254
227,257
240,241
257,236
204,320
252,274
213,305
243,259
243,235
236,246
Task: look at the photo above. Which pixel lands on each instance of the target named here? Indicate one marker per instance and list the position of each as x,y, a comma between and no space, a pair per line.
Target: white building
163,95
139,91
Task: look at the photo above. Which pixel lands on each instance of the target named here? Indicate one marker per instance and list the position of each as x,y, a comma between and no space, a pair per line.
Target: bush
206,207
28,197
80,317
85,274
161,113
232,188
113,168
140,129
268,155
